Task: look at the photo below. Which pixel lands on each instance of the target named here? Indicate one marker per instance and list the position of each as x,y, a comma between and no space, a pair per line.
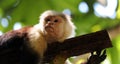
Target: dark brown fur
14,48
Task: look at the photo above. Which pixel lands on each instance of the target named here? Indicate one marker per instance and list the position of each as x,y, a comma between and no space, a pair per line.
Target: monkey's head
57,25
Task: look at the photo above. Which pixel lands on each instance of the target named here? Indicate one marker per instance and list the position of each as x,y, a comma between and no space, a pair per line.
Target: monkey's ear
66,17
69,26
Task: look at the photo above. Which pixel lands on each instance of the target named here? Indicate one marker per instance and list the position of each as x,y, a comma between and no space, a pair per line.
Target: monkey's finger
103,57
98,52
92,53
104,52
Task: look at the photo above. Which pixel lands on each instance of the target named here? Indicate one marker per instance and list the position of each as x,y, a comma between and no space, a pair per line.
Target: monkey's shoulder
14,48
14,36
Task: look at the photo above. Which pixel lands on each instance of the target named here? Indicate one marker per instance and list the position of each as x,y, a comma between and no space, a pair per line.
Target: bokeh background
88,16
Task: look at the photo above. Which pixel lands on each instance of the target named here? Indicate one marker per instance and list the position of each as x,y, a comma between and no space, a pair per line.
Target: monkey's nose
50,23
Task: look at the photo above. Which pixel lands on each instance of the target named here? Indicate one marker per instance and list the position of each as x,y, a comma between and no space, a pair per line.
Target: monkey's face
54,26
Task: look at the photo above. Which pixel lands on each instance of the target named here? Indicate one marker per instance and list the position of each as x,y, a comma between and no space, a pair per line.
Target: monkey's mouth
49,28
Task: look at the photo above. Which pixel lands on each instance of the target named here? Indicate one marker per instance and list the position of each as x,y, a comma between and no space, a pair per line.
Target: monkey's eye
56,20
47,19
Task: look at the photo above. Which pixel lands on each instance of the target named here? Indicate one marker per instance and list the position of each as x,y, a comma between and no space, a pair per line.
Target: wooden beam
78,45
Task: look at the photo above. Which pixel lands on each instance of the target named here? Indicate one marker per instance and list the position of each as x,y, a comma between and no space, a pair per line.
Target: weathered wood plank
79,45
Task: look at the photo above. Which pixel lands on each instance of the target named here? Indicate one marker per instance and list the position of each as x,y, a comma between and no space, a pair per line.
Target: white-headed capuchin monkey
31,41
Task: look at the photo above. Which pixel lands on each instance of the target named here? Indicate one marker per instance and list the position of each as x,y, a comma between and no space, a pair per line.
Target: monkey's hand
97,58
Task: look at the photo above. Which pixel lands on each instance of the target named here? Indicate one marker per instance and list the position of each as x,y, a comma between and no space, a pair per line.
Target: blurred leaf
7,4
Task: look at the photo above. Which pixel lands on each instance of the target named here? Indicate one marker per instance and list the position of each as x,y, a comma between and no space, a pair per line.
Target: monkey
28,44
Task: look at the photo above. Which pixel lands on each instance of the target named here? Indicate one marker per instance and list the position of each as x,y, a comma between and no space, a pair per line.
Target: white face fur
56,26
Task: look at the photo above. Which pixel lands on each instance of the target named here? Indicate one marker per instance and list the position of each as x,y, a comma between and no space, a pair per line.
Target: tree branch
77,46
